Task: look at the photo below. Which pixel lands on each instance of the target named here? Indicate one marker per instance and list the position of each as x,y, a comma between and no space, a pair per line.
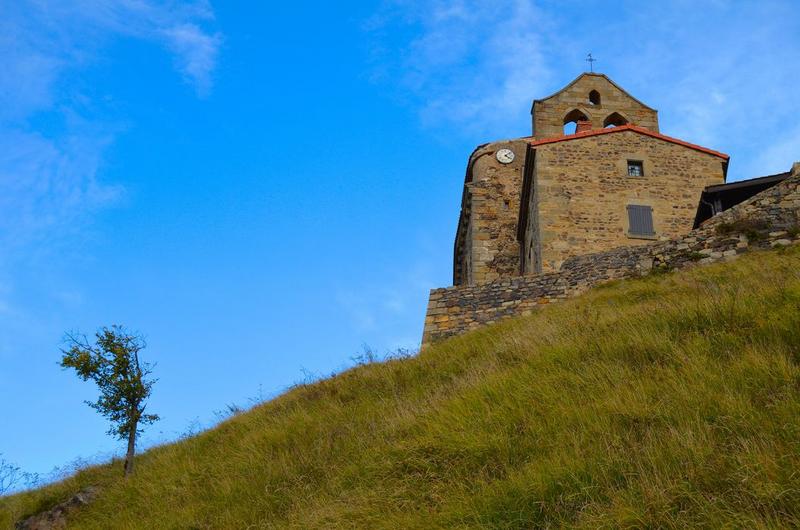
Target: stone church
596,174
597,192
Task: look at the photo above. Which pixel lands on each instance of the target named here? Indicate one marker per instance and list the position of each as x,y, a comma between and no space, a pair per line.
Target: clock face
505,156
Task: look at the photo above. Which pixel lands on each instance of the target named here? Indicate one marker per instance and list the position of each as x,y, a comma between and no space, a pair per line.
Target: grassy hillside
671,401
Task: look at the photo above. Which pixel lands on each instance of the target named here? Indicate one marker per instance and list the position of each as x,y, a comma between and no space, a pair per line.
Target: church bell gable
591,101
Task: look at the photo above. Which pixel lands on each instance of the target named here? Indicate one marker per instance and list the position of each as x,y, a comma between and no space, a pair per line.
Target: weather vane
590,60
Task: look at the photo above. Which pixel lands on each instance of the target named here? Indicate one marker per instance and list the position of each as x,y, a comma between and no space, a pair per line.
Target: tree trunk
131,451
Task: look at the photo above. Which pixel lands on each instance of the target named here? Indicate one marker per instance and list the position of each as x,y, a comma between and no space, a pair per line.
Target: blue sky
261,187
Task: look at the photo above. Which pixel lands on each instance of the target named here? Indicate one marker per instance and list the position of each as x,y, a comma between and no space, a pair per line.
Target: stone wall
548,114
486,239
771,218
582,189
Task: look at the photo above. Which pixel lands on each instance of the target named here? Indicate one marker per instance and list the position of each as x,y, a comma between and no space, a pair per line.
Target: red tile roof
622,128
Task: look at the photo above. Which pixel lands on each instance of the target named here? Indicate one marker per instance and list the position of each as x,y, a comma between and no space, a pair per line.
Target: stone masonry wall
487,236
549,113
769,219
582,189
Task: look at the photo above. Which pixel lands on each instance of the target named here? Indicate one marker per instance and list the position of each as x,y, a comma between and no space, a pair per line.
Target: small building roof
720,197
633,128
757,181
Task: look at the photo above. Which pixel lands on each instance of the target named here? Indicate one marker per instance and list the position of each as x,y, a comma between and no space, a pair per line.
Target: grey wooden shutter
640,220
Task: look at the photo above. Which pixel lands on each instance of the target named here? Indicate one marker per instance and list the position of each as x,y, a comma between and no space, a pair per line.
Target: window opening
635,168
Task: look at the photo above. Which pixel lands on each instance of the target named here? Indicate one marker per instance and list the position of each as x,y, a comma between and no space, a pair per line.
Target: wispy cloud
178,26
52,177
466,63
48,184
372,309
195,52
65,34
53,133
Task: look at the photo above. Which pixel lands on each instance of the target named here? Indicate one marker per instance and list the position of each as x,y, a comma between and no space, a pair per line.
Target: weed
661,268
752,229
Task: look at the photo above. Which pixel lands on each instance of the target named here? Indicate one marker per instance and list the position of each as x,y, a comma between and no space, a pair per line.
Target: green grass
667,402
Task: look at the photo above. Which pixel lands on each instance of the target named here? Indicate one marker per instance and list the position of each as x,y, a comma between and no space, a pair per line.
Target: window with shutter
640,221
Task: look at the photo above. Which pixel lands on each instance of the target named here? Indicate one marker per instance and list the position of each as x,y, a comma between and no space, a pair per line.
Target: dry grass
667,402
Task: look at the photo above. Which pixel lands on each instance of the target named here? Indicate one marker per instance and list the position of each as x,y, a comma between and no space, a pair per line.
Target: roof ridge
596,74
629,127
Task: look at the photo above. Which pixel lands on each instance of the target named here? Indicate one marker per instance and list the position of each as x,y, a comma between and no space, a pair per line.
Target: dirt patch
56,517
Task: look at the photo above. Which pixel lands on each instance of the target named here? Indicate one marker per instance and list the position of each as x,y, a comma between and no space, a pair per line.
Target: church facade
531,203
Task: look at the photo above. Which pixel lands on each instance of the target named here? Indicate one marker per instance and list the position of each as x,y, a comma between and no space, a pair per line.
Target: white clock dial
505,156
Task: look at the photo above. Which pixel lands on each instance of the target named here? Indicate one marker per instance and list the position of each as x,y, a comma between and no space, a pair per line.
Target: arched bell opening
572,119
615,119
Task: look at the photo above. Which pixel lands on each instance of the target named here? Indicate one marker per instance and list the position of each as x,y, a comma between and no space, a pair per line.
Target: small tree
113,364
10,475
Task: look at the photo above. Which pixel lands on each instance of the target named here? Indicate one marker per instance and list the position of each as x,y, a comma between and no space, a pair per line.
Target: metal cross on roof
590,60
